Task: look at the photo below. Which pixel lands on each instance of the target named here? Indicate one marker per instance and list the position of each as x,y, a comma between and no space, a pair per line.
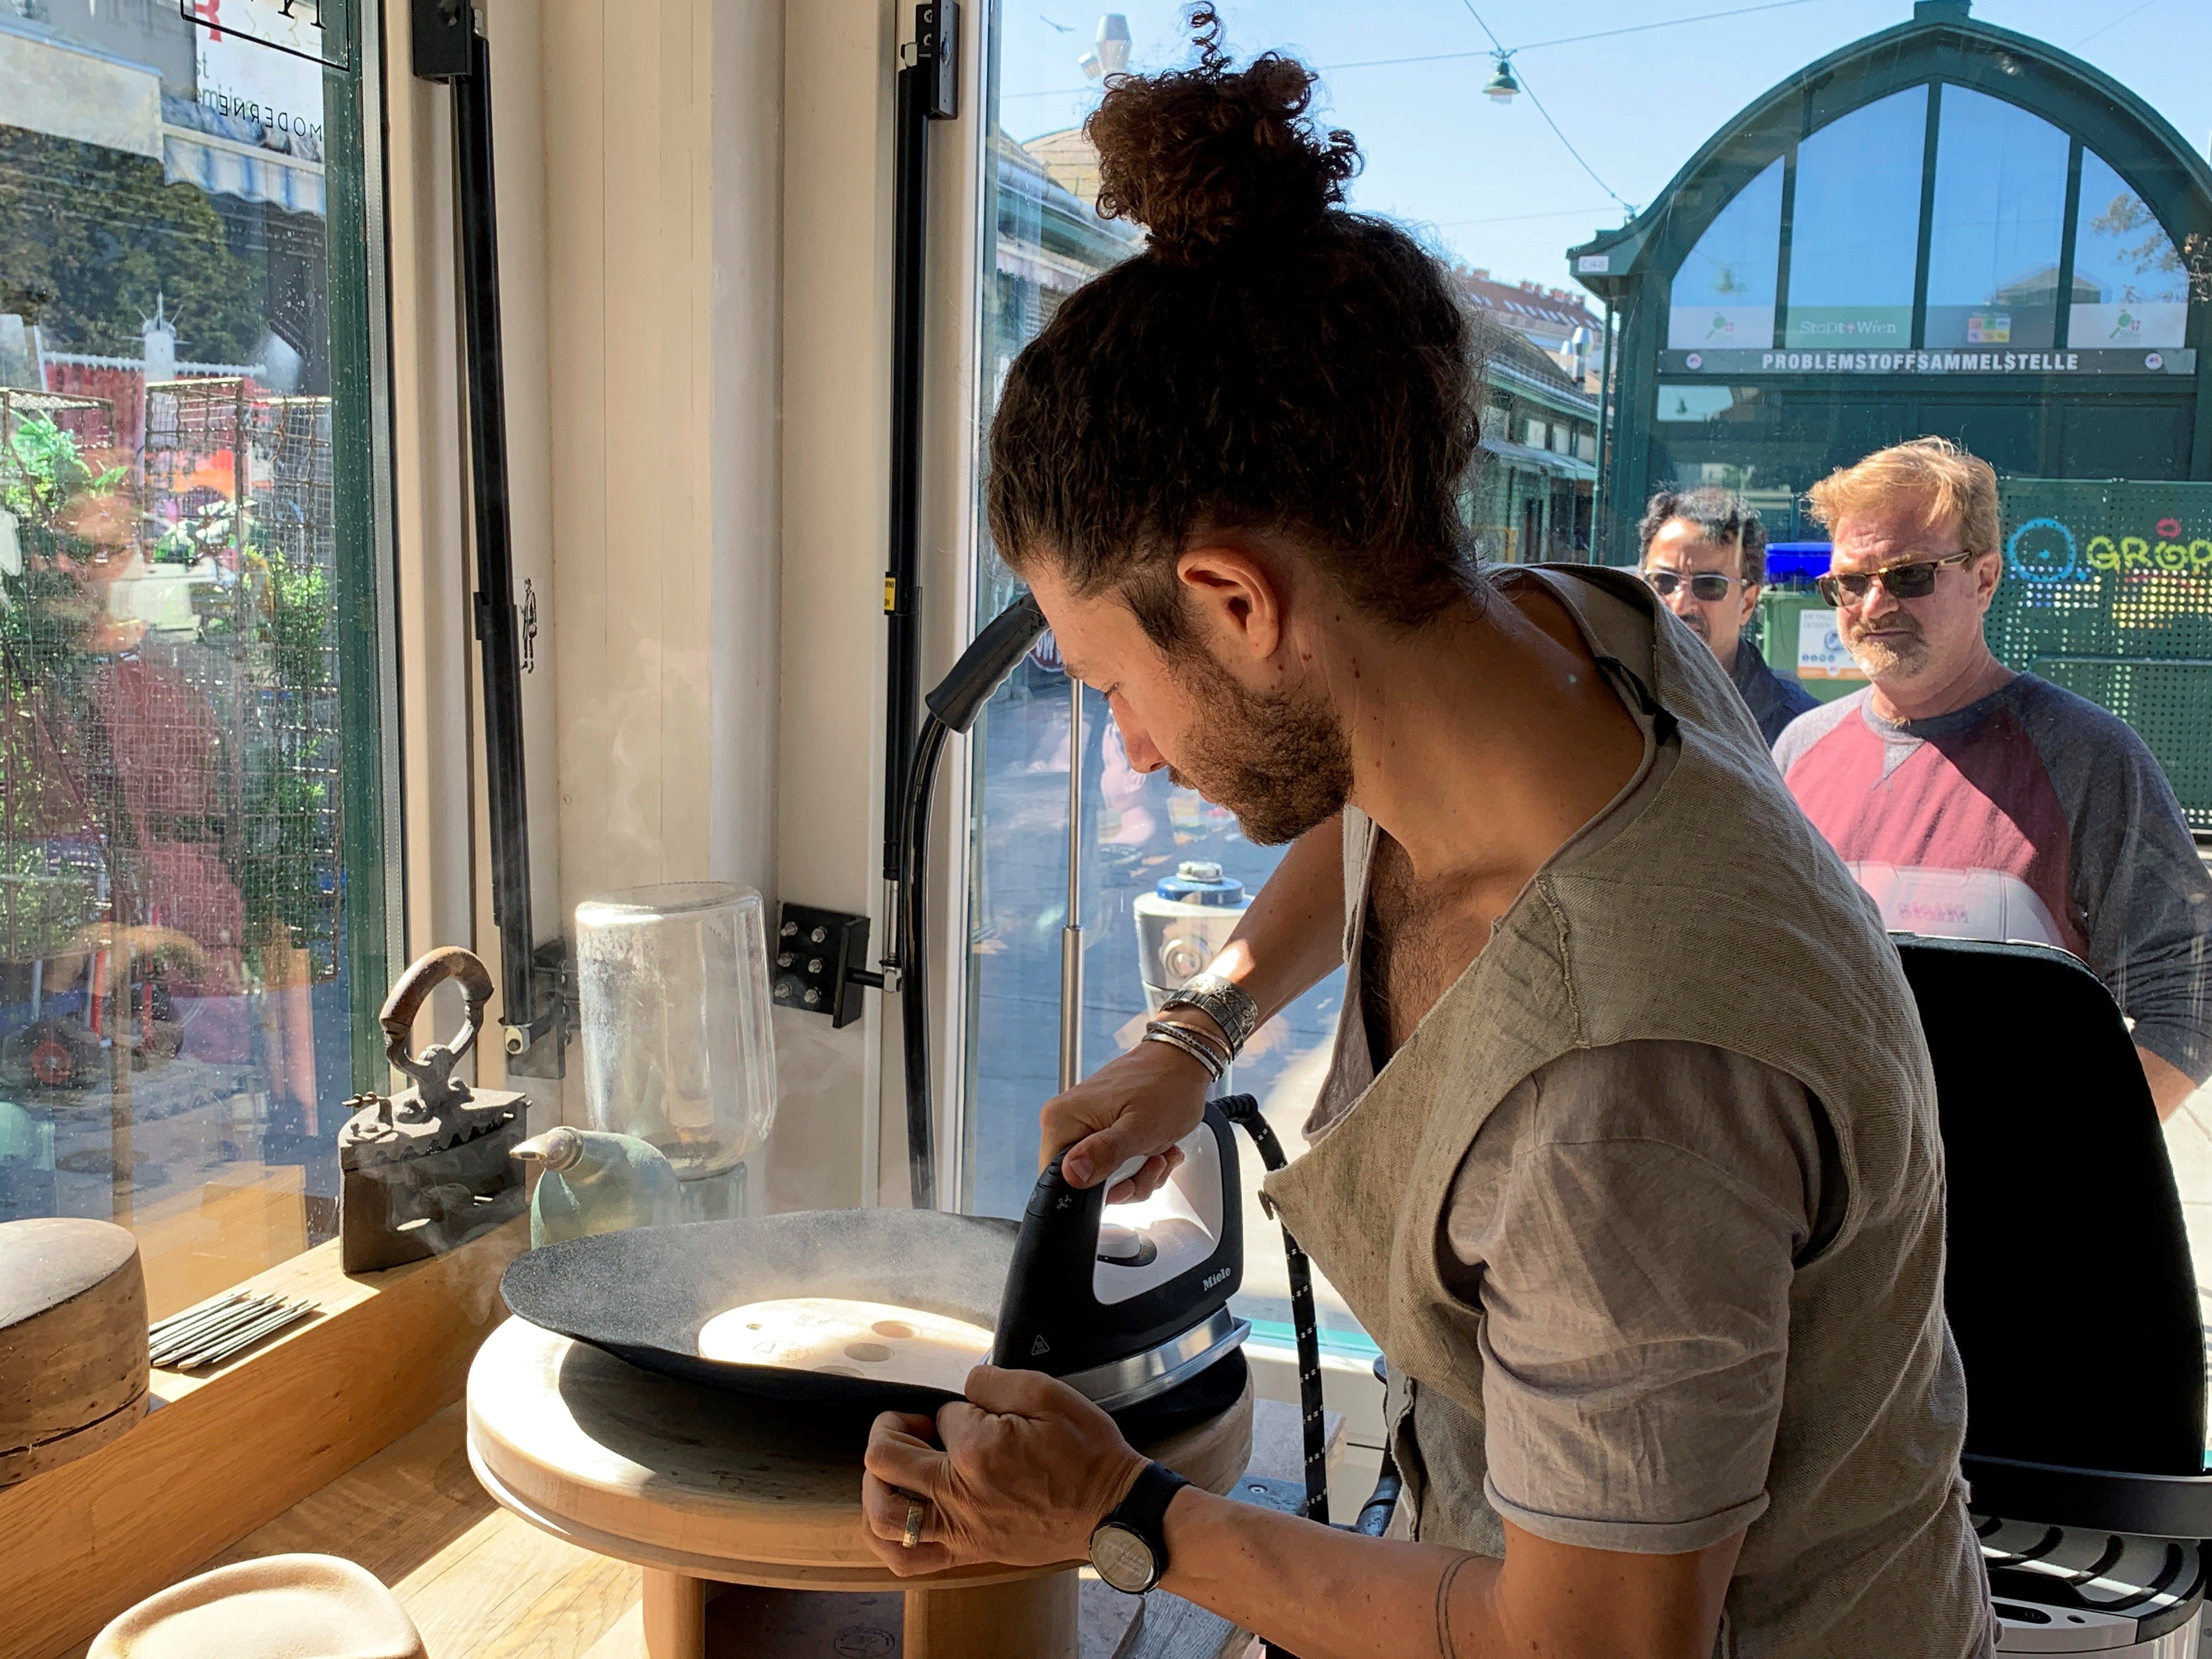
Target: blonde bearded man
1974,802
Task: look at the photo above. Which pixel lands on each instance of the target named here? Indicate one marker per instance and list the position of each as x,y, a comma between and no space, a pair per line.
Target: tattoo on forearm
1444,1648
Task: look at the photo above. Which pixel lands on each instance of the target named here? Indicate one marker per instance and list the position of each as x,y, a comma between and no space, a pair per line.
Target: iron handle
427,973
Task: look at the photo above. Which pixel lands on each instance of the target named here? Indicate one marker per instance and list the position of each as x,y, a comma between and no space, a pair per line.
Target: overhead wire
1532,46
2115,23
1514,218
1626,205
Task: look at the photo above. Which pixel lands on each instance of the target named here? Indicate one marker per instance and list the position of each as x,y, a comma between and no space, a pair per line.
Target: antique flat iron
430,1168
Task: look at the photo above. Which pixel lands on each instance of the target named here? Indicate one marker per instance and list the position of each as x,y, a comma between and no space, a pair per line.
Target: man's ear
1988,570
1238,600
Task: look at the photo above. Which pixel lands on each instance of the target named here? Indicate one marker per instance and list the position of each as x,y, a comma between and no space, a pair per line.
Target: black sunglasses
1912,580
1706,584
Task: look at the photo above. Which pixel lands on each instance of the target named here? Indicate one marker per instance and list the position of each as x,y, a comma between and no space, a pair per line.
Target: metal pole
1598,539
1071,936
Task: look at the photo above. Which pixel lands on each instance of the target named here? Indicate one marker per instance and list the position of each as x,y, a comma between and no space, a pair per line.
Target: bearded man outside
1974,802
1628,1155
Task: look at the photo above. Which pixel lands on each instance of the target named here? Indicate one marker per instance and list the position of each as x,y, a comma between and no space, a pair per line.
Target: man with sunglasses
1705,556
1974,802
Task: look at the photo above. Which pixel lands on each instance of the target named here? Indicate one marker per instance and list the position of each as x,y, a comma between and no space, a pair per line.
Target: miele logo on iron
1211,1280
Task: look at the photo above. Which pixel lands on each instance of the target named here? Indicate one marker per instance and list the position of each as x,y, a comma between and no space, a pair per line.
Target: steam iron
1133,1313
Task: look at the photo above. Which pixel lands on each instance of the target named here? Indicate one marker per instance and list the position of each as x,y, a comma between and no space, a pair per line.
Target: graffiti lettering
2052,559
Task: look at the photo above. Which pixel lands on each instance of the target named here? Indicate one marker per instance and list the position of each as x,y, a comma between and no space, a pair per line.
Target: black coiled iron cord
1243,1110
1374,1513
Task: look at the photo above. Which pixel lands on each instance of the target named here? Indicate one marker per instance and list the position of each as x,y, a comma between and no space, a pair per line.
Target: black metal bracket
449,46
928,90
821,958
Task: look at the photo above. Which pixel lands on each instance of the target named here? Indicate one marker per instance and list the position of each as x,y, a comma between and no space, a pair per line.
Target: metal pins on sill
222,1329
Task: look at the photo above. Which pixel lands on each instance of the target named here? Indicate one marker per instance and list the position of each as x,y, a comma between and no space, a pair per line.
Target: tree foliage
89,237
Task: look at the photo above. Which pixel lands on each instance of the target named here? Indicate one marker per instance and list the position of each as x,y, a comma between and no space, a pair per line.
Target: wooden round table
697,1486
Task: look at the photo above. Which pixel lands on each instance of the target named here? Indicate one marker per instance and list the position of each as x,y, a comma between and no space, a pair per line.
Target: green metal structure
2019,376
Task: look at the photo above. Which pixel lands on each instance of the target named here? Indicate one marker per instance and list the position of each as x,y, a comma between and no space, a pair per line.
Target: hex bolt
789,929
783,959
814,964
817,936
813,996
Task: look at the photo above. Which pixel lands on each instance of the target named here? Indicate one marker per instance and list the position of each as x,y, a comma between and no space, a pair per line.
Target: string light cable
1454,57
1504,56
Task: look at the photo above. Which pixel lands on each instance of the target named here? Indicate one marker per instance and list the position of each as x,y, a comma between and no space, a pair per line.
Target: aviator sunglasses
1706,584
1914,580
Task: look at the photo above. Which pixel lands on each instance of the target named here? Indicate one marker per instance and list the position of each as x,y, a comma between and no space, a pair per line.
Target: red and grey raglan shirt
2034,815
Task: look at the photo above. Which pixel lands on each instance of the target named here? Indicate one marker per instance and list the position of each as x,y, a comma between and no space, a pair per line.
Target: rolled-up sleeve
1635,1293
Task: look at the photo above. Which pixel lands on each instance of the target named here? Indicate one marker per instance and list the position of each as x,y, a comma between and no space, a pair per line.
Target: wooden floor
480,1583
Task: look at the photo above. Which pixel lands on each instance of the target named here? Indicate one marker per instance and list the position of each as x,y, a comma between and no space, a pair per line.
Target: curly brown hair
1270,361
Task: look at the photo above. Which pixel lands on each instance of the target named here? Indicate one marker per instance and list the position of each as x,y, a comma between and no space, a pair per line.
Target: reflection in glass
174,1032
2000,207
2130,287
1724,291
1855,227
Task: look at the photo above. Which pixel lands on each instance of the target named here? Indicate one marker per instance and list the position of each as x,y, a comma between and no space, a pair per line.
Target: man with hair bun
1635,1180
1705,555
1976,803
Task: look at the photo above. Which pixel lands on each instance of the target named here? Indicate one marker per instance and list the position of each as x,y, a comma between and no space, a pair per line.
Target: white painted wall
439,723
836,353
695,245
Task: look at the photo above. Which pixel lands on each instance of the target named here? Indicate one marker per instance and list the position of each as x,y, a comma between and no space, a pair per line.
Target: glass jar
673,982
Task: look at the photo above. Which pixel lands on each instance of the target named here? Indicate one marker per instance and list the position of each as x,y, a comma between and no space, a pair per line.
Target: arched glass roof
1936,217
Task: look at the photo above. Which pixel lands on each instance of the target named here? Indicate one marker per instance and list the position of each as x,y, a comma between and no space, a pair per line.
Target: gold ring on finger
912,1535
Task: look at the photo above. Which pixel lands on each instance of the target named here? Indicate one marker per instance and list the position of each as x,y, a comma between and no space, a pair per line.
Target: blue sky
1497,188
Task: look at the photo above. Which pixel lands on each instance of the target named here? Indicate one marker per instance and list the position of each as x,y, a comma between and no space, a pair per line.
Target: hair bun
1208,158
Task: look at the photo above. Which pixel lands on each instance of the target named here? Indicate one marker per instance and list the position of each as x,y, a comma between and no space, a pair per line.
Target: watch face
1123,1560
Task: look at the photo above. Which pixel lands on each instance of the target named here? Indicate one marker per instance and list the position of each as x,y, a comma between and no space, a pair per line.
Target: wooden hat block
72,1341
281,1607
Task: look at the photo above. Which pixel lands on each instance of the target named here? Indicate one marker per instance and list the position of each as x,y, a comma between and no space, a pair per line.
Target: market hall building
1943,228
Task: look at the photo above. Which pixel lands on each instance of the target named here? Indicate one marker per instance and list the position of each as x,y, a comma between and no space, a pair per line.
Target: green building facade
1944,227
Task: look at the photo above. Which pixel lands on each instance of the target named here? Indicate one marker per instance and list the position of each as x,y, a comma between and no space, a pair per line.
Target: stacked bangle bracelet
1222,1000
1193,1043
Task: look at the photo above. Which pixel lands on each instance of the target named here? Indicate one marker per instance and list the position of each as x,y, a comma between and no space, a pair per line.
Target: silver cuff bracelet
1223,1002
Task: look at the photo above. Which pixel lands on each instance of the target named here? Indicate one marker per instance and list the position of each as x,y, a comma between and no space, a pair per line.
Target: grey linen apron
1714,915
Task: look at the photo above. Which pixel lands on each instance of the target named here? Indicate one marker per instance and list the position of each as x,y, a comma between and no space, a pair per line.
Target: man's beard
1281,764
1883,658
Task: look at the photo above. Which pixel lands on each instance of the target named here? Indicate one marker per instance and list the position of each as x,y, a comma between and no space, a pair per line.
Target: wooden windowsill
225,1451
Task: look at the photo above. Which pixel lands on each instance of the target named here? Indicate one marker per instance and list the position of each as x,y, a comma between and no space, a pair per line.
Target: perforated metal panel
2107,591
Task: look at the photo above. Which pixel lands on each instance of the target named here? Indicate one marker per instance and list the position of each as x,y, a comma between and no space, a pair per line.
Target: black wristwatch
1129,1547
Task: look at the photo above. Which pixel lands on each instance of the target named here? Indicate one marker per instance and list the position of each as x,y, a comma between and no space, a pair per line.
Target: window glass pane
179,935
2000,204
1724,295
2077,808
1854,227
2130,287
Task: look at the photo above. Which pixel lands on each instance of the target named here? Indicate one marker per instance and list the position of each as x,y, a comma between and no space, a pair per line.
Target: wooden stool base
675,1610
1029,1619
1029,1616
703,1491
